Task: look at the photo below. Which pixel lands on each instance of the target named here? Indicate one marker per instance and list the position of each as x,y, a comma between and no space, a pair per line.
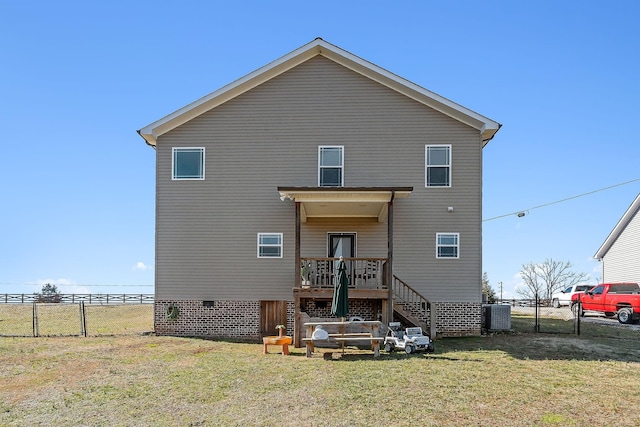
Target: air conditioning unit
497,317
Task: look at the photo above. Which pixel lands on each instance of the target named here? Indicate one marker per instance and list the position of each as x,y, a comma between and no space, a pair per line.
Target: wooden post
297,245
297,278
390,259
36,332
385,312
84,319
433,315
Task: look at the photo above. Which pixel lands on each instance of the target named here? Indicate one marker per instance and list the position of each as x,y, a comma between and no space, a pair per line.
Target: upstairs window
447,245
269,245
331,166
438,166
188,163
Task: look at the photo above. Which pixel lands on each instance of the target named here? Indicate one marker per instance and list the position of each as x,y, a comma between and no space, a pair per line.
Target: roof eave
424,96
488,132
486,126
343,202
618,229
152,131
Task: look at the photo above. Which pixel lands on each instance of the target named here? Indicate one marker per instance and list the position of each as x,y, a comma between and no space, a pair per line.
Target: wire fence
98,315
74,298
40,319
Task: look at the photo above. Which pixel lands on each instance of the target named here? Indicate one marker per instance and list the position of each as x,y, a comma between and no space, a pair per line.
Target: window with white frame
187,163
447,245
269,245
330,166
438,166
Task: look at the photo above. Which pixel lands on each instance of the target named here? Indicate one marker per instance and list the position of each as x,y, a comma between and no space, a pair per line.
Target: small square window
331,166
269,245
188,163
438,166
447,245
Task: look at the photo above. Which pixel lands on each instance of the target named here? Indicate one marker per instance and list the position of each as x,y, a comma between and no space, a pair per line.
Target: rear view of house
263,183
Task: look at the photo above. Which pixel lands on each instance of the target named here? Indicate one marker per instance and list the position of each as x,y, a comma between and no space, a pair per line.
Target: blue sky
77,79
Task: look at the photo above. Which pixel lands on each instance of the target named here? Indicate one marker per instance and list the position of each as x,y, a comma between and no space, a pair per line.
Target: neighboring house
261,184
620,252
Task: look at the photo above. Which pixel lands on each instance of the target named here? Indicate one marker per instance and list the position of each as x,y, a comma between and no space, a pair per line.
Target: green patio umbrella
340,303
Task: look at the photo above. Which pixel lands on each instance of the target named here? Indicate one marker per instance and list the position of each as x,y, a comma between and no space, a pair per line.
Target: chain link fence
75,319
539,316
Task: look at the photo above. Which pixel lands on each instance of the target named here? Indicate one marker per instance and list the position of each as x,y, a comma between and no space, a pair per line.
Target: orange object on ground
284,341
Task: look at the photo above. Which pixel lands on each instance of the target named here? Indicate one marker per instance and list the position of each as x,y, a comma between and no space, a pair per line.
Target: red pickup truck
611,298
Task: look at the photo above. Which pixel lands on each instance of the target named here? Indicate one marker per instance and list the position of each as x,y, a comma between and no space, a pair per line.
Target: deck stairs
413,308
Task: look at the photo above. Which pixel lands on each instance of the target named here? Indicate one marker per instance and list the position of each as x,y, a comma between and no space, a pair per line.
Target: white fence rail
76,298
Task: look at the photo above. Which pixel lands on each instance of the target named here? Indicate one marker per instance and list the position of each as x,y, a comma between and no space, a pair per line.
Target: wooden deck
327,293
367,281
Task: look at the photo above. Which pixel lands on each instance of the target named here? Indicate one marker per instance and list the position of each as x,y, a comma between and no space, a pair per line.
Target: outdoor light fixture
450,209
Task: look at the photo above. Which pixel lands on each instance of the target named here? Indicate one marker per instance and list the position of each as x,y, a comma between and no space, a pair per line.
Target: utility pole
500,292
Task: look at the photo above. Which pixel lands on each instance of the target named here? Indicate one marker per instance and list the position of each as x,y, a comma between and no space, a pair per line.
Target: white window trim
320,147
426,166
281,245
448,246
173,159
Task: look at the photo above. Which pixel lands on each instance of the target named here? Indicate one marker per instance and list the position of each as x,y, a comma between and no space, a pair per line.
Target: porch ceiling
343,202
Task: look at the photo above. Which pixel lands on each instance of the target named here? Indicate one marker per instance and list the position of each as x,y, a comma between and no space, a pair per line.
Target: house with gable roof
620,252
264,183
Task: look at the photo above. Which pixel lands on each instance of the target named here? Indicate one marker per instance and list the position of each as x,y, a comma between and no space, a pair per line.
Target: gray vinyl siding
269,137
620,264
371,236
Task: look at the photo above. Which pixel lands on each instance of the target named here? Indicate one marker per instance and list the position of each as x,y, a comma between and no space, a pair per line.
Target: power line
522,212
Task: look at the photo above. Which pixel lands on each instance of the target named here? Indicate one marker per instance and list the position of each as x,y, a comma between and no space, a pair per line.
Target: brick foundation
237,320
240,320
458,319
365,309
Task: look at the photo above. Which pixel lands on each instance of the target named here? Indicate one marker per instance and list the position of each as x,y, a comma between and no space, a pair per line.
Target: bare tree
543,279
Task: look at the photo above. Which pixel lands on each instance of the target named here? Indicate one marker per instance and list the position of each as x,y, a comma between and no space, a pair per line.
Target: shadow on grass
540,346
356,354
589,326
596,343
519,346
352,355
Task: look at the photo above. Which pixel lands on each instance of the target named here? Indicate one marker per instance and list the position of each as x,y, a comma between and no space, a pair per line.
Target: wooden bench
375,342
284,341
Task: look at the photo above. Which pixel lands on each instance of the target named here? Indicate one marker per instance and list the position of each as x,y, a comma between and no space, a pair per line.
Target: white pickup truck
563,297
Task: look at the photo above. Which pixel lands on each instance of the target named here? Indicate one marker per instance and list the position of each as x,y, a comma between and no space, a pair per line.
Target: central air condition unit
497,317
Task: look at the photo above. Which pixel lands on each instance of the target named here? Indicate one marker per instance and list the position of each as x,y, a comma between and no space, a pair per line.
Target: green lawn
505,379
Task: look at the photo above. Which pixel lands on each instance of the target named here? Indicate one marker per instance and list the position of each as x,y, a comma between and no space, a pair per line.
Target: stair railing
416,304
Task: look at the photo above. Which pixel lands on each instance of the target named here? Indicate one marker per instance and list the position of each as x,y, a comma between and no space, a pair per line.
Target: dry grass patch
67,319
517,380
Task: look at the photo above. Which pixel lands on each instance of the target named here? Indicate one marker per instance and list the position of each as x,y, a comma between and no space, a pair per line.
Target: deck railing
363,273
